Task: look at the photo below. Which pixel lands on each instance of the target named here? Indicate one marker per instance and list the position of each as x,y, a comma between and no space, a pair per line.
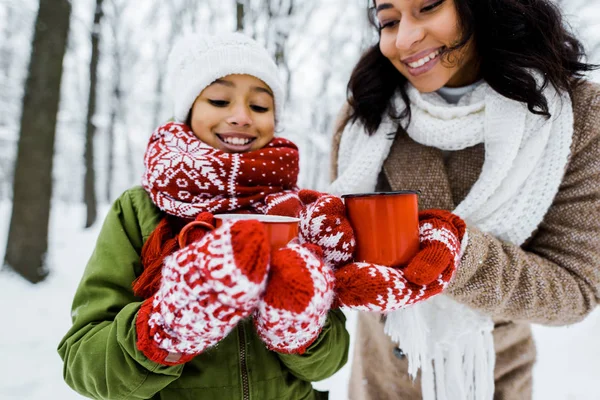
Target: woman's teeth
237,141
425,59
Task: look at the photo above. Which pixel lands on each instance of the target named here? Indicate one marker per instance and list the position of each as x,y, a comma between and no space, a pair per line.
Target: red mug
280,229
386,226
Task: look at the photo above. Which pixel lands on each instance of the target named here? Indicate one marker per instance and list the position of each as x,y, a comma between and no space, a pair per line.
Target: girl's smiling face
414,34
234,114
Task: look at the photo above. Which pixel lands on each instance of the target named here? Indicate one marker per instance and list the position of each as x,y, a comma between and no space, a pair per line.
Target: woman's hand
323,222
207,288
440,234
372,287
377,288
298,297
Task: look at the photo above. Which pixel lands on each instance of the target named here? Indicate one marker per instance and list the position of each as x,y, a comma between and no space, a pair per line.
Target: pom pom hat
198,60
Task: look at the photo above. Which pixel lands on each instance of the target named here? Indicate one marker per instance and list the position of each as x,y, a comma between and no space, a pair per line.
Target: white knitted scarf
525,160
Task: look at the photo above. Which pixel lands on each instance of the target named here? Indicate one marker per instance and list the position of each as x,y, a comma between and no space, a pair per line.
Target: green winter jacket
101,359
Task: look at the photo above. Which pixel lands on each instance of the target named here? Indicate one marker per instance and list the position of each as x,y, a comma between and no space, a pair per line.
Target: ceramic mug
280,229
386,226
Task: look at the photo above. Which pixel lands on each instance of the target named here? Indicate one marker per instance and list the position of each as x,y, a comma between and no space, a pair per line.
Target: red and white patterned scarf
184,176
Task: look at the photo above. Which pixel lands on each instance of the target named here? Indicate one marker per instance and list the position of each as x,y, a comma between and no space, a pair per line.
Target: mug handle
184,232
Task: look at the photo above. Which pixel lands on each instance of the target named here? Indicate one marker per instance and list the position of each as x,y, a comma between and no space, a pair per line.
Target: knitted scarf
185,177
525,159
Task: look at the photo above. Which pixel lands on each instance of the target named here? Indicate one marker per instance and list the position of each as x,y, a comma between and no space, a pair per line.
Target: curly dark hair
513,38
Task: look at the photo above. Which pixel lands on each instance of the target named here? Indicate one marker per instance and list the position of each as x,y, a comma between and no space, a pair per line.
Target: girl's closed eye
218,103
259,109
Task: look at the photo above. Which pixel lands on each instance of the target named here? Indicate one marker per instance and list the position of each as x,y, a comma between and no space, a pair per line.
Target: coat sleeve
554,278
100,356
327,355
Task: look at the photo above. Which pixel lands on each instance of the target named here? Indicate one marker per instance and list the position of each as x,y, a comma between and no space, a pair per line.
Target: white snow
35,317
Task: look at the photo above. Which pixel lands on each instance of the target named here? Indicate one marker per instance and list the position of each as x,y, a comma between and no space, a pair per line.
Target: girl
163,314
481,106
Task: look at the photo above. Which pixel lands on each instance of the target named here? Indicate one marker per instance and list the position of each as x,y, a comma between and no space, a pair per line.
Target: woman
480,105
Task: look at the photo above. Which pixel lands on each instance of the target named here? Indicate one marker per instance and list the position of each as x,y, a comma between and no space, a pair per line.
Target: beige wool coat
552,279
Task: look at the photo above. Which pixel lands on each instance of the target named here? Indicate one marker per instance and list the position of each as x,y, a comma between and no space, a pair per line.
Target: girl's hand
207,288
284,203
299,294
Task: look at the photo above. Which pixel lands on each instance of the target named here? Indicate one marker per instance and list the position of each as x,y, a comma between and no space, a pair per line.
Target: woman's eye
259,109
432,6
219,103
388,24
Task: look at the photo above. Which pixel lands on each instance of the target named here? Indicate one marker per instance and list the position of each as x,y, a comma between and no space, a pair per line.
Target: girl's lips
235,148
236,135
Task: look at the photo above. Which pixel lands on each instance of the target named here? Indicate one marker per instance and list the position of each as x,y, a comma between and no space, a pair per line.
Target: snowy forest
82,87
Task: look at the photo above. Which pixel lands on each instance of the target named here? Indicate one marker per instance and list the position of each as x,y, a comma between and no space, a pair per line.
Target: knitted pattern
298,296
192,311
185,176
377,288
206,289
323,222
440,236
286,203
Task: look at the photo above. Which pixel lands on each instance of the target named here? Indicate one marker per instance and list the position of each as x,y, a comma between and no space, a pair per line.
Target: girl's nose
240,116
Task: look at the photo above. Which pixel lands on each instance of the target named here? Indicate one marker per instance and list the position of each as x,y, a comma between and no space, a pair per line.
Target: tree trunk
240,16
28,232
111,145
89,192
114,21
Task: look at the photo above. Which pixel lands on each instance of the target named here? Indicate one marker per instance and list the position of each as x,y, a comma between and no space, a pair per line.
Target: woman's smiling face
413,36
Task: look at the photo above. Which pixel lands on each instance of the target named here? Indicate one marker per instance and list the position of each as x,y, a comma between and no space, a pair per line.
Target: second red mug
386,226
280,229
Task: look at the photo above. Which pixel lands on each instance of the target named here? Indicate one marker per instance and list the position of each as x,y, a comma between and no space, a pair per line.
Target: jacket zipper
244,369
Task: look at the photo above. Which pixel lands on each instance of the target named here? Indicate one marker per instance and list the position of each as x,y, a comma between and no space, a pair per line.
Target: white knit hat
197,60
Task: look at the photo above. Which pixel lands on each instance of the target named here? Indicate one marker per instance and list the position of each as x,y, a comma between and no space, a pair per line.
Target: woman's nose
240,116
408,34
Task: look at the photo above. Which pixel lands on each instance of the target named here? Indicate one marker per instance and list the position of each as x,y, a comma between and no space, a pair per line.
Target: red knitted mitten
206,289
440,235
372,287
286,203
298,296
323,222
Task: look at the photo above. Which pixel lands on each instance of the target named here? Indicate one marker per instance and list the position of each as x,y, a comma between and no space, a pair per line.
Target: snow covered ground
34,319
